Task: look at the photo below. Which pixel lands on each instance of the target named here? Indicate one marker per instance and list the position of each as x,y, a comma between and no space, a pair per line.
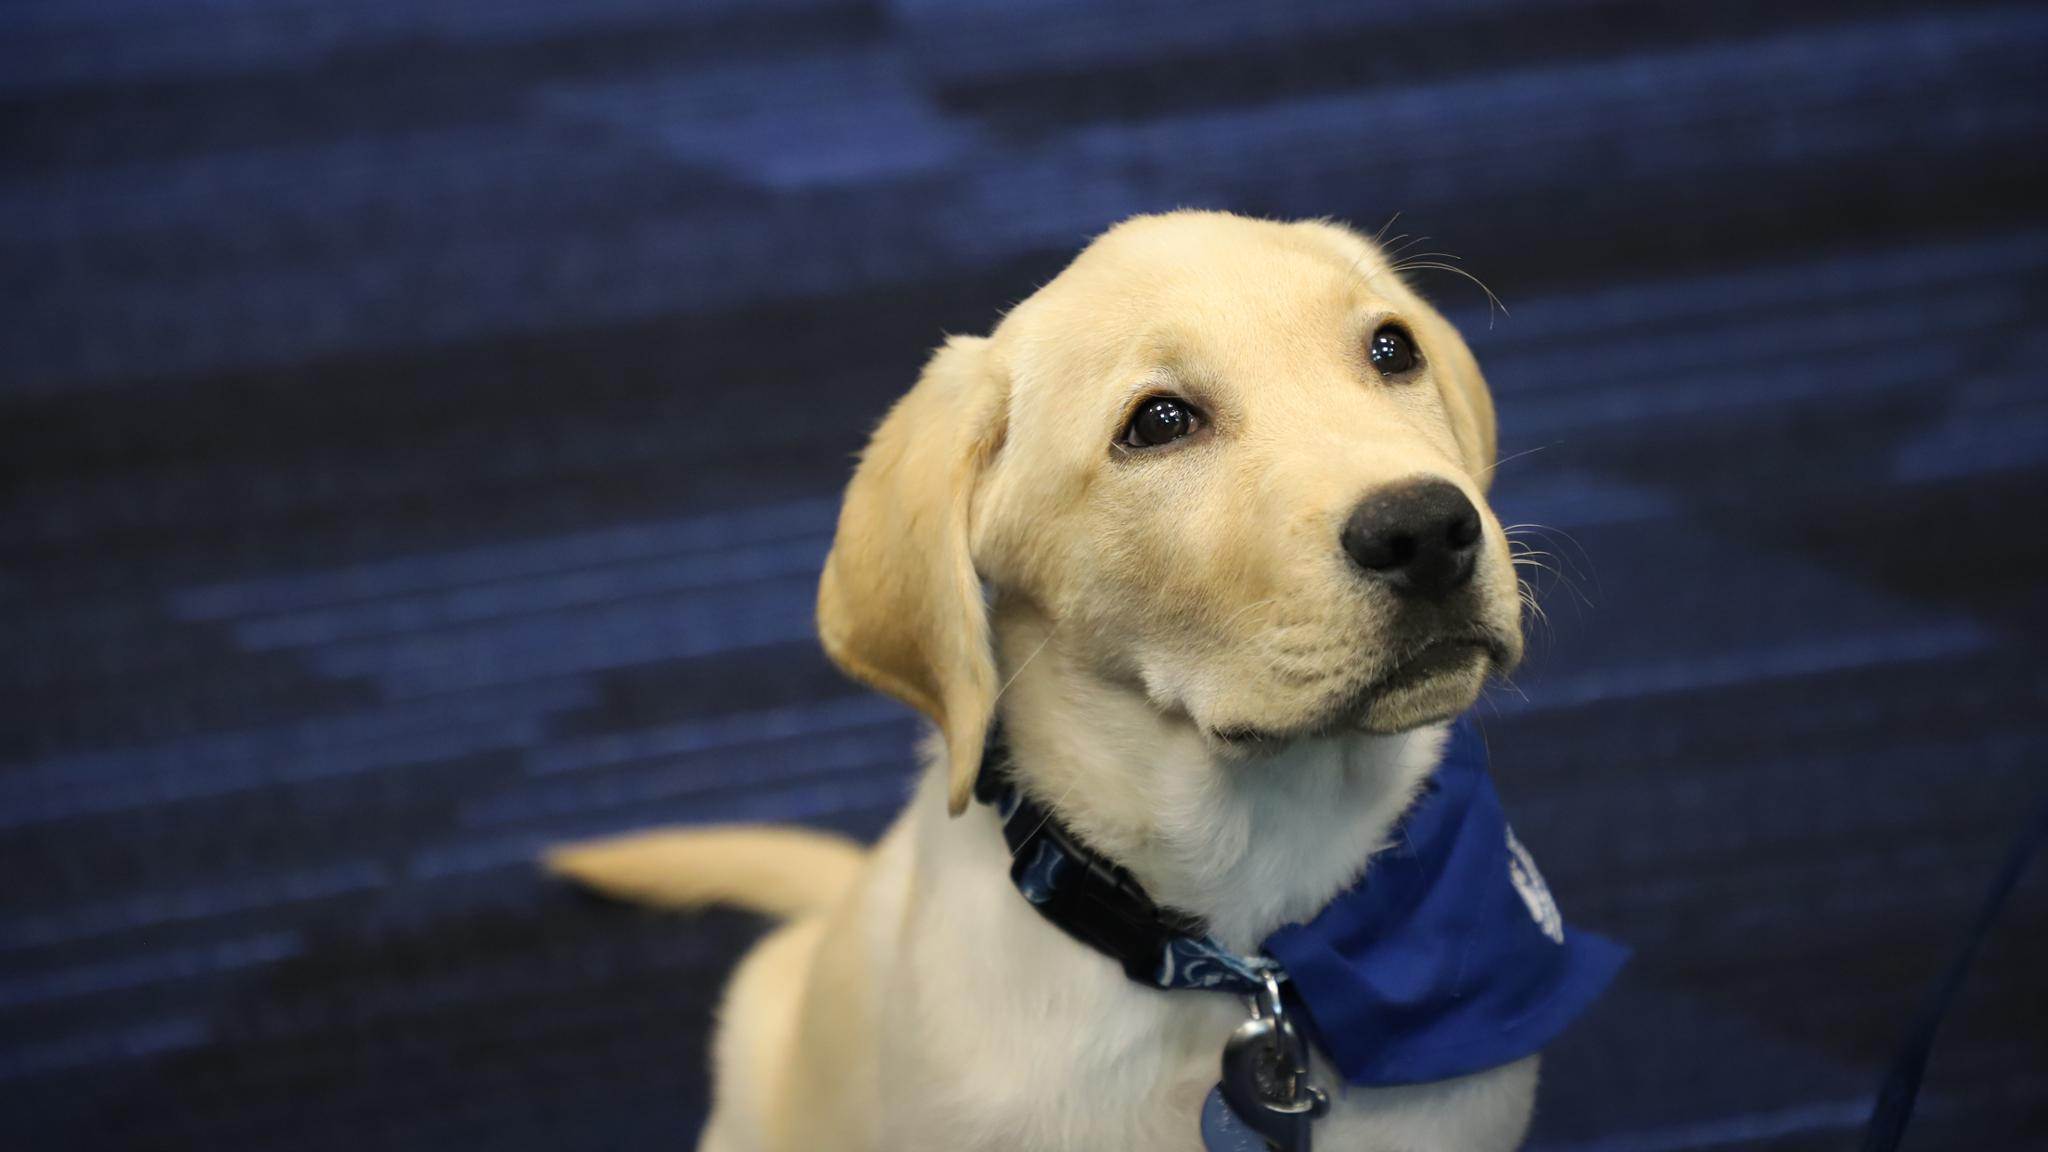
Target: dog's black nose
1421,537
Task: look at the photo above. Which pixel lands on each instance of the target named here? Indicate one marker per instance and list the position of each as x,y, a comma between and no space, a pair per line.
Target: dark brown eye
1392,352
1160,420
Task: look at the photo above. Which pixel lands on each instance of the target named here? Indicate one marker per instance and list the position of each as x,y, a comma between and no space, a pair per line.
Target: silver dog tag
1265,1099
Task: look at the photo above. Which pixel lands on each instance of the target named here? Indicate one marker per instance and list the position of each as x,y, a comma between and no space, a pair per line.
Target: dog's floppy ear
900,606
1466,398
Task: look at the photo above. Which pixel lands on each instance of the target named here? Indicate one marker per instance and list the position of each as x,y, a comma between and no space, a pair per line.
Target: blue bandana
1447,959
1450,957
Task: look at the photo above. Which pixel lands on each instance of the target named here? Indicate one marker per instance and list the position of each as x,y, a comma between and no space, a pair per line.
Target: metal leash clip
1266,1076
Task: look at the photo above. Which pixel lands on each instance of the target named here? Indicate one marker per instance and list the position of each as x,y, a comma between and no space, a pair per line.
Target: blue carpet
421,422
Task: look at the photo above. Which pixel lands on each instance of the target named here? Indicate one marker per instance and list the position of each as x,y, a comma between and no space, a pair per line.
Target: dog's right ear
900,607
1467,401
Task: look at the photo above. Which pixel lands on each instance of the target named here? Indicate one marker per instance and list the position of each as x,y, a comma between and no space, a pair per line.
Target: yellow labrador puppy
1204,521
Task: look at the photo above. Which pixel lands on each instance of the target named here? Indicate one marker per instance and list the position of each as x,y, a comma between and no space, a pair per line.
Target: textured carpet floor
420,425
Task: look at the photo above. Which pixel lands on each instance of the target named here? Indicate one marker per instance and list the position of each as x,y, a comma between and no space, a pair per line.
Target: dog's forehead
1204,262
1198,285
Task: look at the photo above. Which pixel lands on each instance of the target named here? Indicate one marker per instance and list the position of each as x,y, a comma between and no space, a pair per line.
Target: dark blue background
421,422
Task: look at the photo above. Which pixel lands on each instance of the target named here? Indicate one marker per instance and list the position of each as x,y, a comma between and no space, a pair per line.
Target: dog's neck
1248,842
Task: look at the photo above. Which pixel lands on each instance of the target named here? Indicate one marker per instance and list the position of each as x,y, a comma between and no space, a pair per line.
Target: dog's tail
777,871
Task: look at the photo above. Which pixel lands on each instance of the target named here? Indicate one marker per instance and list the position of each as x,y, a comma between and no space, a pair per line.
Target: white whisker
1048,817
1493,301
1517,456
1049,634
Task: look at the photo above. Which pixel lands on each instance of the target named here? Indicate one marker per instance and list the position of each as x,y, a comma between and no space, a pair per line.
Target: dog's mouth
1432,683
1436,683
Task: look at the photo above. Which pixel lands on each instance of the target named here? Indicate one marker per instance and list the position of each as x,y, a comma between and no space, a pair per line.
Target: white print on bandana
1535,893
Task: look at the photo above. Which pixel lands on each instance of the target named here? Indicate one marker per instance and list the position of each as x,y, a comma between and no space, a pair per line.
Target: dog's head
1236,464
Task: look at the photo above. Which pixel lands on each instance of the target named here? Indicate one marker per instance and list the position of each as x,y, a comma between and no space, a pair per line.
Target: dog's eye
1160,420
1392,352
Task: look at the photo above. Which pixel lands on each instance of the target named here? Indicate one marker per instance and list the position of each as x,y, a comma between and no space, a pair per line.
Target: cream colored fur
1130,615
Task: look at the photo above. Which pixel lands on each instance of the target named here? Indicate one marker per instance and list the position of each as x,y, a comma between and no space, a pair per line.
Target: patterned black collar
1096,901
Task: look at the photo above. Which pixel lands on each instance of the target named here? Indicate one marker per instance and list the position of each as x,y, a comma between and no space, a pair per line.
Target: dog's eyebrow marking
1359,277
1165,346
1167,373
1145,385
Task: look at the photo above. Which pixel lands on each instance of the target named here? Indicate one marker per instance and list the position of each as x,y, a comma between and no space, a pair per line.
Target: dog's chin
1434,684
